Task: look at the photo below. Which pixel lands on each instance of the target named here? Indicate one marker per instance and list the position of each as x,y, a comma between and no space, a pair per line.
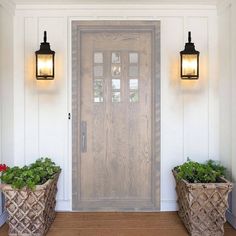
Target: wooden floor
118,224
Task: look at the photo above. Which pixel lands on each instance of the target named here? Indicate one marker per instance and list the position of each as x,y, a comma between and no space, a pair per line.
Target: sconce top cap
45,46
45,49
189,47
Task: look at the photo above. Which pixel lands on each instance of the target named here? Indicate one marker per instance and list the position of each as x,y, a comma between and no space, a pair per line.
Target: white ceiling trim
118,7
127,2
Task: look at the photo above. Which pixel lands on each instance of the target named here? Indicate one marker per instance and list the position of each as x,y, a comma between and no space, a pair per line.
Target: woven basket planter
202,207
31,213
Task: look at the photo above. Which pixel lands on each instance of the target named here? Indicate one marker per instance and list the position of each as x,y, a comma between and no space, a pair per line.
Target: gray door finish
116,114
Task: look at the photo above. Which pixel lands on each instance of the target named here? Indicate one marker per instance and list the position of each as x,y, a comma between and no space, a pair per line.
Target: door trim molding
136,26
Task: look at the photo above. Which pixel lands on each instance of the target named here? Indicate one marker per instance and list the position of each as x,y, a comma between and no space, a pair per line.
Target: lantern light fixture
189,61
45,61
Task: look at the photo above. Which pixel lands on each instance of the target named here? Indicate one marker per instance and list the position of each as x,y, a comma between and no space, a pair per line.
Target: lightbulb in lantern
45,65
189,65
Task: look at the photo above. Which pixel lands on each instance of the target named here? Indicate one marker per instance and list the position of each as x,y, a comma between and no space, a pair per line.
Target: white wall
233,73
6,90
189,112
227,39
6,84
225,85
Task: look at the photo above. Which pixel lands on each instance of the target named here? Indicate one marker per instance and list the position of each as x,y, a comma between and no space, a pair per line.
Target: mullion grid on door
98,77
116,76
133,75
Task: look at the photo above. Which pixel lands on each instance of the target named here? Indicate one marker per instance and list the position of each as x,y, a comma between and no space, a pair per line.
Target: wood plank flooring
118,224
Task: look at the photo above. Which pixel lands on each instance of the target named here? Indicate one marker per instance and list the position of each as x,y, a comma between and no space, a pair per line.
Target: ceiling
197,2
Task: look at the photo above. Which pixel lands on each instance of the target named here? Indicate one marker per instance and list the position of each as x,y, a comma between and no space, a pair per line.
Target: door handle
83,137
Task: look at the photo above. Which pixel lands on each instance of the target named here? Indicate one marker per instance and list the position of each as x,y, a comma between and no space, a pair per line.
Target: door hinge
69,116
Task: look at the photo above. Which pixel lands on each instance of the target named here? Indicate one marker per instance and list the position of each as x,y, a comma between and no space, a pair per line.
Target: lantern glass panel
45,65
189,65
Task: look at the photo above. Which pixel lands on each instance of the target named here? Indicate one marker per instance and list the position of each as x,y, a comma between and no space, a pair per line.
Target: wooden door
116,164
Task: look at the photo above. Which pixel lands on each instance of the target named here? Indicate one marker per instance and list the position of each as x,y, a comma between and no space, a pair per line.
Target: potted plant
202,192
30,196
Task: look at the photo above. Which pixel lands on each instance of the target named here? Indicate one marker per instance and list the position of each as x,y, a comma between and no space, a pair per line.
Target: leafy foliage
29,176
195,172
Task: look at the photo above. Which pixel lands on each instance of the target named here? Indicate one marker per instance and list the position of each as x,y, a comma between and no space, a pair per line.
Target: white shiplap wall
189,112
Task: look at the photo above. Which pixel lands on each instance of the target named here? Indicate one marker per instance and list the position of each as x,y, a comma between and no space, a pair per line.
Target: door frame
136,26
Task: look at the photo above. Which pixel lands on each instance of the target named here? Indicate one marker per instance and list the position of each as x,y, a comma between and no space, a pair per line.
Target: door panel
116,163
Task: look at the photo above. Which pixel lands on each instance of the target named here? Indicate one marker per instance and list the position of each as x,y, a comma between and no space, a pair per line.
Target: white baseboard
3,218
63,205
169,205
231,218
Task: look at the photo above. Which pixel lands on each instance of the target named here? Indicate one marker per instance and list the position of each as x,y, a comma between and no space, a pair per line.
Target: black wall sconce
189,61
45,61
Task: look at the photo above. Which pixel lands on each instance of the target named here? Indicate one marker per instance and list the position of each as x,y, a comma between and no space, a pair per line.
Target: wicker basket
31,213
202,207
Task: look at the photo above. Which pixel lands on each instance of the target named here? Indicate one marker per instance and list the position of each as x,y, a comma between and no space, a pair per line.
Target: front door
117,166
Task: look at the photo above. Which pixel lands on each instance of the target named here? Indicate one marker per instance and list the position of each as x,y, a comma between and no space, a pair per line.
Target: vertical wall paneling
31,93
68,165
171,104
213,88
1,66
53,98
225,85
6,85
227,88
6,92
19,91
1,84
233,72
196,104
188,108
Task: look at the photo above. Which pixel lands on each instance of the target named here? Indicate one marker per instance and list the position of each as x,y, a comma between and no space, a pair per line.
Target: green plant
29,176
195,172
